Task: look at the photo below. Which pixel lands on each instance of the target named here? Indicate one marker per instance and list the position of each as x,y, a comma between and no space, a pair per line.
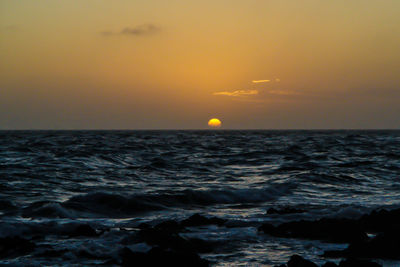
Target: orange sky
159,64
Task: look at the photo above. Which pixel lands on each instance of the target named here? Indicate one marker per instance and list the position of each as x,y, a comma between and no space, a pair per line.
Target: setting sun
214,123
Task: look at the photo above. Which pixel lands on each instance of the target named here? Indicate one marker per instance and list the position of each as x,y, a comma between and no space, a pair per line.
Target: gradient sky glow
156,64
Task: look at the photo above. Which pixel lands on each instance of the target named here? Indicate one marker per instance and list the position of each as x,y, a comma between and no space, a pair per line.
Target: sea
115,181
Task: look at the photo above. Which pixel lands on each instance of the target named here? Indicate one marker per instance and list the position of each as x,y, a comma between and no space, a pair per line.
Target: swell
114,205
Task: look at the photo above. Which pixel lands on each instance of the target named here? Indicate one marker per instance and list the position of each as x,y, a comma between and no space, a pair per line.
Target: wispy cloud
140,30
261,81
237,93
283,92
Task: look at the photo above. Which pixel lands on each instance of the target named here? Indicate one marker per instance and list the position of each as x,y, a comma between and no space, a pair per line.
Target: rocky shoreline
373,236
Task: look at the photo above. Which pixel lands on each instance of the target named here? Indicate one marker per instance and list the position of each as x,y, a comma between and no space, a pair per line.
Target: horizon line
205,129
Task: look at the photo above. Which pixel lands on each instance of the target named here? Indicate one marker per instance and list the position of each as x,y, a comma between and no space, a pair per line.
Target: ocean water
116,180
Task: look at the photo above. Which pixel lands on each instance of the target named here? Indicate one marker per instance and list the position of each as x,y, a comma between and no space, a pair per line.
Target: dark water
116,180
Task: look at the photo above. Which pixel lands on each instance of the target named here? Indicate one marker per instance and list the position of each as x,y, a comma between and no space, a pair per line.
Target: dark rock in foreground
298,261
169,226
199,220
164,239
83,230
331,230
329,264
358,263
52,253
380,220
384,246
11,247
172,240
166,235
6,205
286,210
161,257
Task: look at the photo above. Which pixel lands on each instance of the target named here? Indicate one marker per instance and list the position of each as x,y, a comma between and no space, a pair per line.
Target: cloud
261,81
237,93
140,30
283,92
145,29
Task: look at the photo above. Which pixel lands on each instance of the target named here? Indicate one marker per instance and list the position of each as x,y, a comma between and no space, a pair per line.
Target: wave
115,205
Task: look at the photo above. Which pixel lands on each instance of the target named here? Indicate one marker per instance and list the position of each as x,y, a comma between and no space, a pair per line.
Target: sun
214,123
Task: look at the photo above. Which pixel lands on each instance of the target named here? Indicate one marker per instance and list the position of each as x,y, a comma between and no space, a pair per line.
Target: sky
156,64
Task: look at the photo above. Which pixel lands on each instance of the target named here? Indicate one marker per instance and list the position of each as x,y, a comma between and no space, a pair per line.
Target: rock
334,254
272,211
172,240
144,226
358,263
270,229
329,264
82,253
383,246
298,261
11,247
201,245
199,220
170,226
130,258
380,220
161,238
83,230
160,257
52,253
285,210
336,230
331,230
6,205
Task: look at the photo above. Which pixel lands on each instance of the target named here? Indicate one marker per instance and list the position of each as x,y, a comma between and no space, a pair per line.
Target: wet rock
144,226
82,253
270,229
172,240
331,230
358,263
337,230
201,245
161,238
298,261
334,254
83,230
6,205
199,220
130,258
11,247
161,257
170,226
110,262
380,220
52,253
285,210
383,246
329,264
